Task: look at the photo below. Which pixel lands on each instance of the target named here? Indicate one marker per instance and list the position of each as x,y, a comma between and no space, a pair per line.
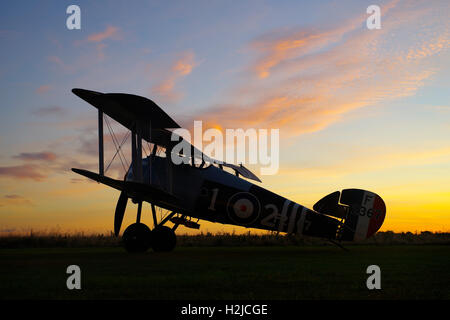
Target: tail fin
362,212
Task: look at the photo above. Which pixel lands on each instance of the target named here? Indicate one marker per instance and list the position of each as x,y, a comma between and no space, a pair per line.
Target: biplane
203,188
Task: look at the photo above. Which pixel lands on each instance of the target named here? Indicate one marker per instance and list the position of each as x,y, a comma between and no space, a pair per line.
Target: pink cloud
101,51
48,111
36,156
60,63
14,200
23,172
43,89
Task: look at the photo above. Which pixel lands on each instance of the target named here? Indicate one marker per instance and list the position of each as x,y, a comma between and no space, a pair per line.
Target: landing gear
139,238
163,239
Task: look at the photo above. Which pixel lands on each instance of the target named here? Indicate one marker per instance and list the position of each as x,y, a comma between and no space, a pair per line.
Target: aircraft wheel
163,239
137,238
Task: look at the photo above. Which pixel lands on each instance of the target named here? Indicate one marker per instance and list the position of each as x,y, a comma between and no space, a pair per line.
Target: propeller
120,211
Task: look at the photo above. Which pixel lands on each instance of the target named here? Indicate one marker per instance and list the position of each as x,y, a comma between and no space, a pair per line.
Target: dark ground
235,272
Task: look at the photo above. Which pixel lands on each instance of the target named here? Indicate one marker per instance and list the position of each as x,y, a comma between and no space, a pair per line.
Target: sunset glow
356,108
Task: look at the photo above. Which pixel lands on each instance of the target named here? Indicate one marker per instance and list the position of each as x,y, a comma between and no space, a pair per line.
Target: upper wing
127,109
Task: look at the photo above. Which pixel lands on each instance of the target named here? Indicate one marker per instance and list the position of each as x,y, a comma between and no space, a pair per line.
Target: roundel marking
243,208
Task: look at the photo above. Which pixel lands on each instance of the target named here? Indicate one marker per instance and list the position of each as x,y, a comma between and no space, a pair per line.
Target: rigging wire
149,148
117,152
145,151
117,146
113,139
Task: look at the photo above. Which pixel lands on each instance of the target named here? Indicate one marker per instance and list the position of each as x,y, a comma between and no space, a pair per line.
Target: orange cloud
165,88
182,67
430,47
316,77
109,33
279,47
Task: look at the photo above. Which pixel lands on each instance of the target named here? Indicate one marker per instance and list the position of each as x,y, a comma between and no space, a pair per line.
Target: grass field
273,273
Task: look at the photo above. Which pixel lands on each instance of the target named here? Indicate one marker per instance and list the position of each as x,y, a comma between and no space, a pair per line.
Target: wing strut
155,221
101,171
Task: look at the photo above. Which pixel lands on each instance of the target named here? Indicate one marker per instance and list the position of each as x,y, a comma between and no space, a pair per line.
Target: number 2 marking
273,216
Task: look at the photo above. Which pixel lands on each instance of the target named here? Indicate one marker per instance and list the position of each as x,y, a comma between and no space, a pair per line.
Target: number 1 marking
213,199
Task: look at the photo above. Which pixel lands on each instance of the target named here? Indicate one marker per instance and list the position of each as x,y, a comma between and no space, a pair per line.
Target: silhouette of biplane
202,189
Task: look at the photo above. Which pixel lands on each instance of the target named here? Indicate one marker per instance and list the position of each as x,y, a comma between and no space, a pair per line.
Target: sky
356,108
